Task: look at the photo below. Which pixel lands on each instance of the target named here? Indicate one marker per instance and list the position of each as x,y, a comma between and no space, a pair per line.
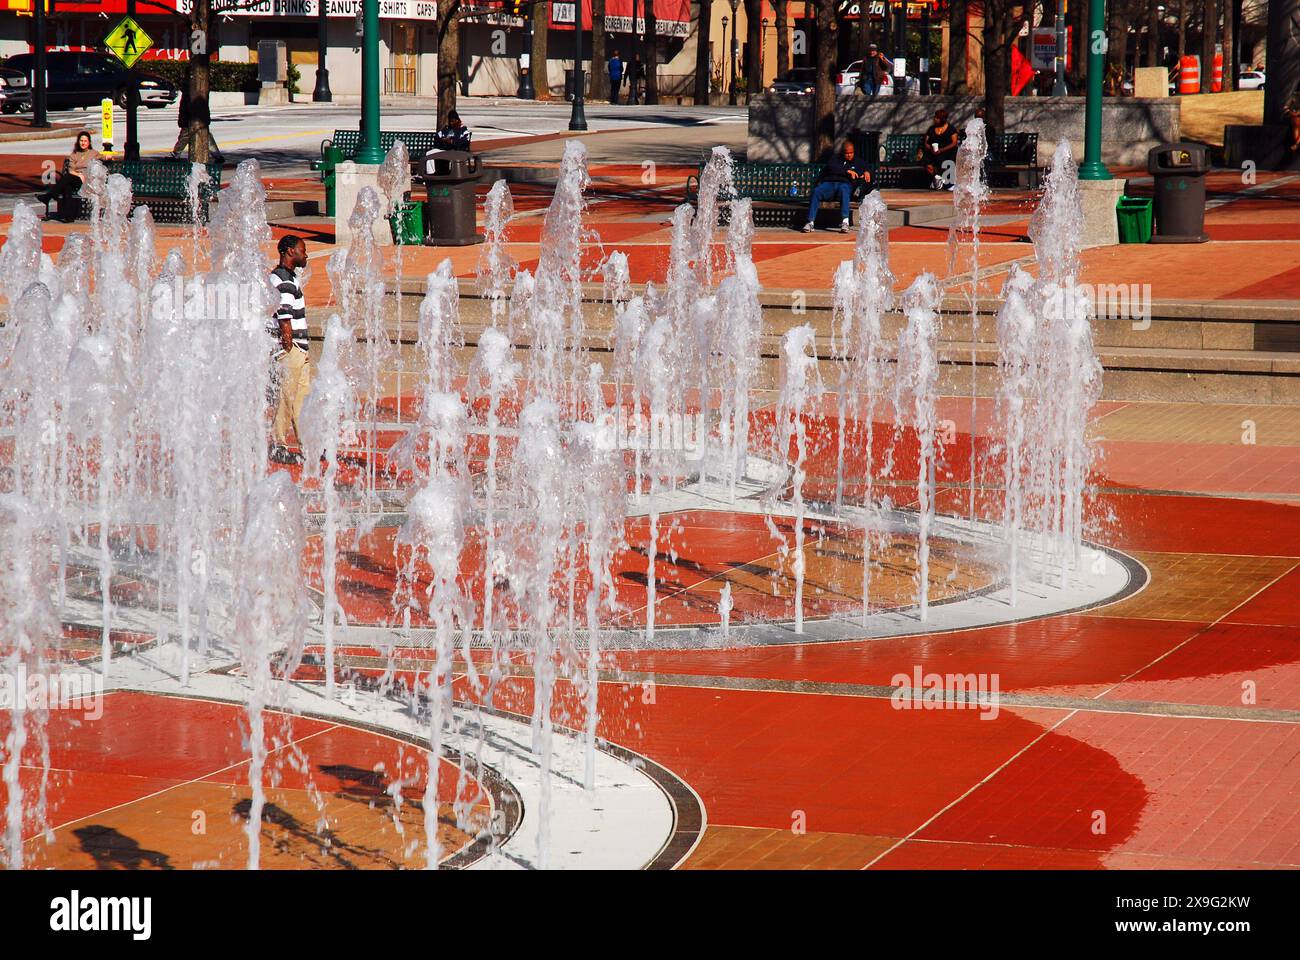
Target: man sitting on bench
454,136
837,180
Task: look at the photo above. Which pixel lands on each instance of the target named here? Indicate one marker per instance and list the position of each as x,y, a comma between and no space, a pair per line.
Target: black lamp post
578,118
900,51
321,94
39,118
732,95
526,90
735,49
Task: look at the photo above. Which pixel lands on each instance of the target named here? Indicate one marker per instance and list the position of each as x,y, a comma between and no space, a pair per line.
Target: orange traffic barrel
1189,75
1216,81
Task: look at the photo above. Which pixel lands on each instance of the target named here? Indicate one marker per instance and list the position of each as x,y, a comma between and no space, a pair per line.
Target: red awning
672,17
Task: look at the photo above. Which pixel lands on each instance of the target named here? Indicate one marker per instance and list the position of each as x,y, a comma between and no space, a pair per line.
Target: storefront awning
673,17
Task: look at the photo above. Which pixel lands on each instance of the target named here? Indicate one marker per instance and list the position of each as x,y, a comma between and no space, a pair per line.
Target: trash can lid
452,156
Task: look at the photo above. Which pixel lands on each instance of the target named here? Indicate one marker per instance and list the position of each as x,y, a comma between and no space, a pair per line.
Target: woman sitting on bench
938,149
70,179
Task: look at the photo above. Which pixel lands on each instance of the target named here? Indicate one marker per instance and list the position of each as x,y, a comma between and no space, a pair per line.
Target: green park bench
163,186
1013,160
418,143
779,191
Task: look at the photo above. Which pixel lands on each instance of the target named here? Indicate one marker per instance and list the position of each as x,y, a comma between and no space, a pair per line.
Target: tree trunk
1182,29
997,62
651,54
1282,59
782,37
1153,33
824,96
1117,51
200,76
537,56
448,58
754,46
703,52
1209,37
1076,17
958,41
599,74
1229,63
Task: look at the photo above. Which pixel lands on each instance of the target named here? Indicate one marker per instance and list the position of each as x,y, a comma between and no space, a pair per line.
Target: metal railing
399,80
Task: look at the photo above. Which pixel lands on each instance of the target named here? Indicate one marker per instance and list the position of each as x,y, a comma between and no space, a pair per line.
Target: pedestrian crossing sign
127,41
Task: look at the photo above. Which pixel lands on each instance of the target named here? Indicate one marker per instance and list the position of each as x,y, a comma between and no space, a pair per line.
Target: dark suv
84,79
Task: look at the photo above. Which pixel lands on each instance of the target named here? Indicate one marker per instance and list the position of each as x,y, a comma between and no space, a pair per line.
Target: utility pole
369,150
322,92
900,51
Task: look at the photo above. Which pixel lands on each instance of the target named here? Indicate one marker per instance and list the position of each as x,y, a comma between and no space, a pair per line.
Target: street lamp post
762,50
1092,168
900,50
131,149
369,150
321,94
726,20
923,68
735,48
1059,89
578,117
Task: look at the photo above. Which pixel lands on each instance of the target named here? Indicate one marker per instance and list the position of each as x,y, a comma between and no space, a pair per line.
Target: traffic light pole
39,118
526,90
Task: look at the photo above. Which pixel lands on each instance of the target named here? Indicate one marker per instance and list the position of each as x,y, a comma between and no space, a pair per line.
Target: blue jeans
871,84
829,191
615,81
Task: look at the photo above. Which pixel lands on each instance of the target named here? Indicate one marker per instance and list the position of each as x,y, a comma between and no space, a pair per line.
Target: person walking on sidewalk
634,72
289,328
615,77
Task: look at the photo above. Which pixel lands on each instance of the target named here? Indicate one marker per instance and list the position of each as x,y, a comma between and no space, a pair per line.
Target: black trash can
449,179
1179,170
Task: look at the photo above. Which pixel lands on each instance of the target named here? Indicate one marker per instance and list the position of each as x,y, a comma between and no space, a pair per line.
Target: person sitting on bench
837,180
939,148
75,168
454,136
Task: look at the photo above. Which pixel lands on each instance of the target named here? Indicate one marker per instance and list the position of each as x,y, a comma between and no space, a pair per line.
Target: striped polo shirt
291,308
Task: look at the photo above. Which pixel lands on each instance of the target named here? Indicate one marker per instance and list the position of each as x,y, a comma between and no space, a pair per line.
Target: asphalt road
286,138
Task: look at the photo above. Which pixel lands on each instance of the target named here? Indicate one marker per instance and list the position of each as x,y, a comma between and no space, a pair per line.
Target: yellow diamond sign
128,41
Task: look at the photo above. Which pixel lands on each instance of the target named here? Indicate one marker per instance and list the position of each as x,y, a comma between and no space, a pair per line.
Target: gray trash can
449,178
1179,170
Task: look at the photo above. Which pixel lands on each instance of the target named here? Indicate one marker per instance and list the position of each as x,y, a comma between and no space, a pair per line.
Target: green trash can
330,159
407,222
1135,219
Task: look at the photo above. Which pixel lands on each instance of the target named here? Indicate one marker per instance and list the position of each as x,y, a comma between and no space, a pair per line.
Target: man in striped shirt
289,328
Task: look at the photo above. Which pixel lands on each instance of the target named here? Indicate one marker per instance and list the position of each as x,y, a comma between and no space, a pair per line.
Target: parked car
84,79
1250,80
846,81
15,92
800,80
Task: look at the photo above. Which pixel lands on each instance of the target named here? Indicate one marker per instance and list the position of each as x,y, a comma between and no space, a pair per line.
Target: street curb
56,134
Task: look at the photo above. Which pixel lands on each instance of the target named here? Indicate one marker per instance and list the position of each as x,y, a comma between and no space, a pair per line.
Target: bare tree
958,40
651,54
1229,61
1182,29
448,57
1002,21
199,81
703,51
824,95
754,46
1209,37
782,37
599,75
537,56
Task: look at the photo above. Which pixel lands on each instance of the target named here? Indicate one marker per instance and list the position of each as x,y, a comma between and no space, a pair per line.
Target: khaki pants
295,384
